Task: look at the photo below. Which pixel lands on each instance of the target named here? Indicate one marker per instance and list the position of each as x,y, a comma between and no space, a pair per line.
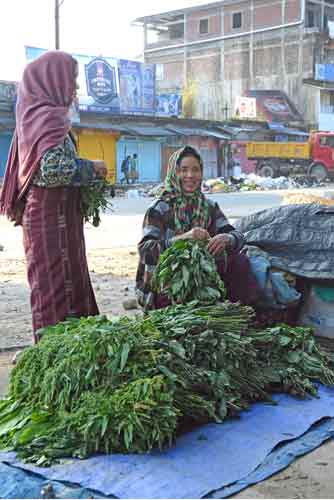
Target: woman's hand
219,243
198,234
100,168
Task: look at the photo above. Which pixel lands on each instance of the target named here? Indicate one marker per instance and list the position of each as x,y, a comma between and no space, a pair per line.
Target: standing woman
41,192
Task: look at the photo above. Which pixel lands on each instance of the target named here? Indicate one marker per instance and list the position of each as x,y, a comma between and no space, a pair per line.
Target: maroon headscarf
44,96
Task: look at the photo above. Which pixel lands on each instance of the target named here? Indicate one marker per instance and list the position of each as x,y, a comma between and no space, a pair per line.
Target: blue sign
101,80
324,72
168,105
137,87
148,78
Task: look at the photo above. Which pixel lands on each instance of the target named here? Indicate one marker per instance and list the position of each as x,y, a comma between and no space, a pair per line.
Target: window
176,30
204,26
237,20
159,72
327,141
310,19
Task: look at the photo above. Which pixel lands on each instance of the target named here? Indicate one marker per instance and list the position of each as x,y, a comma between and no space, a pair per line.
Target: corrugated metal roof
197,131
277,127
150,131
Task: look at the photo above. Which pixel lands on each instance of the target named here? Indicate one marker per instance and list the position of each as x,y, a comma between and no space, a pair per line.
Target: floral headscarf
191,210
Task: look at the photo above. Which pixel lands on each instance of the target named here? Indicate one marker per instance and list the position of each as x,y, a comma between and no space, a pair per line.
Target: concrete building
220,50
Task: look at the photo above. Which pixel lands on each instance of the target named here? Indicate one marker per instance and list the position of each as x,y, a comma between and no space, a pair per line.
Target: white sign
98,81
245,107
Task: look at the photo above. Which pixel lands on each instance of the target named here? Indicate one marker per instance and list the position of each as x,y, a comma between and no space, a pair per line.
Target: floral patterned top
60,166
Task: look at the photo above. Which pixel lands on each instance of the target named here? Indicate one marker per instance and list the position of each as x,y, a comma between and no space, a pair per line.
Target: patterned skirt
55,252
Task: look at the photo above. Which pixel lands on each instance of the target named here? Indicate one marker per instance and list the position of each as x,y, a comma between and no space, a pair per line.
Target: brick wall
224,69
229,10
204,68
266,15
292,11
193,24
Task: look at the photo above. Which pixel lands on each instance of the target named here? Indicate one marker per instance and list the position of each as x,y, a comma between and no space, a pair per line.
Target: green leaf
104,426
222,409
284,340
185,276
293,357
12,424
124,356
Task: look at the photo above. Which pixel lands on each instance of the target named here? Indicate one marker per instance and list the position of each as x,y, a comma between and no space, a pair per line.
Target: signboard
275,106
324,72
137,87
168,105
245,107
98,81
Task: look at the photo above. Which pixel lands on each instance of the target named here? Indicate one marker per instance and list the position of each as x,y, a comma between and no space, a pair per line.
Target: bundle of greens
187,271
129,385
94,199
291,359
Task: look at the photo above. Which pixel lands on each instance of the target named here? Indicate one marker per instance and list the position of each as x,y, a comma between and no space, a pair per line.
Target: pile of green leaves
129,385
291,359
94,199
187,271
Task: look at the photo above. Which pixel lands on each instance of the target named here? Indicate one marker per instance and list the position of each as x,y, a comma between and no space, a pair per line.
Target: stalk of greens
94,199
187,271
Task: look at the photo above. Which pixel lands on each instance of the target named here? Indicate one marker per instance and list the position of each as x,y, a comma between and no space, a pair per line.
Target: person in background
134,168
41,191
183,212
125,165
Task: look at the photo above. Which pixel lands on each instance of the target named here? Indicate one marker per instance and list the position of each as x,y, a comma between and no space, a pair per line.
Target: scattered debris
301,198
16,357
129,304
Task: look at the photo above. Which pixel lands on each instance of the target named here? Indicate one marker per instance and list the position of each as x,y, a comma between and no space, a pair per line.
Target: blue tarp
205,460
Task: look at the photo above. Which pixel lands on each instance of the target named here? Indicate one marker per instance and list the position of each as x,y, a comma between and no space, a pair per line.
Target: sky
93,27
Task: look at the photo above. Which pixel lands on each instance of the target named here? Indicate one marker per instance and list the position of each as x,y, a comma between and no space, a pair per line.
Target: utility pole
57,24
58,3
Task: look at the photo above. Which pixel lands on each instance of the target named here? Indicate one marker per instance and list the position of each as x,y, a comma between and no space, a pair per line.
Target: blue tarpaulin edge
17,483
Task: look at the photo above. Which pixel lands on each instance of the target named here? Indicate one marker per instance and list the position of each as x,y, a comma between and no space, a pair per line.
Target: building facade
216,52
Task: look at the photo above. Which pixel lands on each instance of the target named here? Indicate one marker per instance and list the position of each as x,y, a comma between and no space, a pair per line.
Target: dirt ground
112,276
112,271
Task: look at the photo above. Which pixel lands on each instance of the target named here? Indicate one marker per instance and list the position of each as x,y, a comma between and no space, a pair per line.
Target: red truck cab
322,154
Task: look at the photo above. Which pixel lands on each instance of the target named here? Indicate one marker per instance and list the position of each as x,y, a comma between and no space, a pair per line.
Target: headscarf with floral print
190,210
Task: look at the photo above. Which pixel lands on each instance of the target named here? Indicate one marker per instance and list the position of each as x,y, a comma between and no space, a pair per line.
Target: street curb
12,348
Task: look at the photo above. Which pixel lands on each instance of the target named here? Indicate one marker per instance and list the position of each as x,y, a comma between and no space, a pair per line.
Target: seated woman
183,212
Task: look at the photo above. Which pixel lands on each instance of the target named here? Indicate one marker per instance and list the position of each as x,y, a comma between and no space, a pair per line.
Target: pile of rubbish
244,182
253,182
304,198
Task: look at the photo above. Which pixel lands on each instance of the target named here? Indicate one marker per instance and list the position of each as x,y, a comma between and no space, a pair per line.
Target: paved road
233,204
123,227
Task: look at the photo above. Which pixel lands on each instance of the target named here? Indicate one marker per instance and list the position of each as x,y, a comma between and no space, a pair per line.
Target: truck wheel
318,171
267,170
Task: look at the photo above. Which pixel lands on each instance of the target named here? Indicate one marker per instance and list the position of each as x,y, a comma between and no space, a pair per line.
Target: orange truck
314,157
